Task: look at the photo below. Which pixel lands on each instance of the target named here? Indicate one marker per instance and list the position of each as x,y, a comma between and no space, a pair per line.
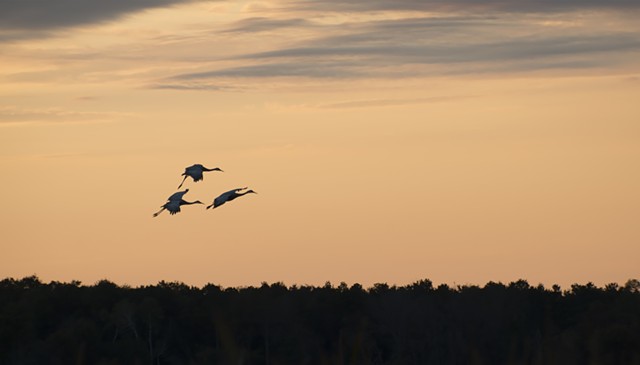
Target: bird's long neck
245,193
213,169
184,202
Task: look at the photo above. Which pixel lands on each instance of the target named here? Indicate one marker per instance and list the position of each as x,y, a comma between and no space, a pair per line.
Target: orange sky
388,141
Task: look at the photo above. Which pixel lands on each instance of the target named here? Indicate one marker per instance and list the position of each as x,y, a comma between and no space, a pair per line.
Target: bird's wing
222,198
176,196
193,168
196,175
173,206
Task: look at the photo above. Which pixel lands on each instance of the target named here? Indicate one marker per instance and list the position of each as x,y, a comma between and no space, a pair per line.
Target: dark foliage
172,323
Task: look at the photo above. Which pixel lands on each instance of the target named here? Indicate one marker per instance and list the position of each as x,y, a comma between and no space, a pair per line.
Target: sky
388,140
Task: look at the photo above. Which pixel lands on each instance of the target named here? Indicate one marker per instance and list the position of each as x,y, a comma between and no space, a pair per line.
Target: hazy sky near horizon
388,140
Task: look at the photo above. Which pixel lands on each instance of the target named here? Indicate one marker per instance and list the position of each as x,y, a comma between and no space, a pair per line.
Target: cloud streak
384,39
318,69
197,86
529,6
15,116
369,103
519,48
262,24
419,47
33,15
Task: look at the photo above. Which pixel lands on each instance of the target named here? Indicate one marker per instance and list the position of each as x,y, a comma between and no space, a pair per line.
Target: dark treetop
172,323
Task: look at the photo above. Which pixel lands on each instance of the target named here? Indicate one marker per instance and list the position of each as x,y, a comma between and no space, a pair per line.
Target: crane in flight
195,171
174,202
229,196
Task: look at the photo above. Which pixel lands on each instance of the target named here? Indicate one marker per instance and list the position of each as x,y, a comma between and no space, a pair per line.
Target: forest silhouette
173,323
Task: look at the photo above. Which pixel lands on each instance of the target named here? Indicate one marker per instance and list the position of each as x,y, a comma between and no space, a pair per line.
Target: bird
174,202
229,196
195,172
173,206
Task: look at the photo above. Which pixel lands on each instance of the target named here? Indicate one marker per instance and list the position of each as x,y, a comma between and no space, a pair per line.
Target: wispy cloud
10,115
194,86
318,69
369,103
323,40
427,51
422,47
46,14
262,24
86,98
461,5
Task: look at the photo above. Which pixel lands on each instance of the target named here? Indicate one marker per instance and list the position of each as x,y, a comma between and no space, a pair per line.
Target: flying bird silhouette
195,172
229,196
173,206
174,202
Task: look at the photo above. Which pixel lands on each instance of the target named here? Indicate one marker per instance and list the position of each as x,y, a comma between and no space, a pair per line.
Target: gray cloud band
326,58
31,15
38,15
530,6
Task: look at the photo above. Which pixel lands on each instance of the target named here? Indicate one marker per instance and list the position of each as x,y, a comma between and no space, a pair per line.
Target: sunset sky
462,141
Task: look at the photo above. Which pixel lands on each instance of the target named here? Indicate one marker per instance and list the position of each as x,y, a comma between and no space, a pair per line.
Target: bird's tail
158,212
185,177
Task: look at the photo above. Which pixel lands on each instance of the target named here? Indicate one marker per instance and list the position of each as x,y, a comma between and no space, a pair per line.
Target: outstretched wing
226,196
196,175
177,196
173,206
219,201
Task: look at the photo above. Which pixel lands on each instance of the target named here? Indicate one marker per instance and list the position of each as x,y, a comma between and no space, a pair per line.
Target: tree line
173,323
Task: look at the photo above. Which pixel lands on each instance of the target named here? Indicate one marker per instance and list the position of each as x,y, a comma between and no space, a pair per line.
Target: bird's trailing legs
185,178
158,212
